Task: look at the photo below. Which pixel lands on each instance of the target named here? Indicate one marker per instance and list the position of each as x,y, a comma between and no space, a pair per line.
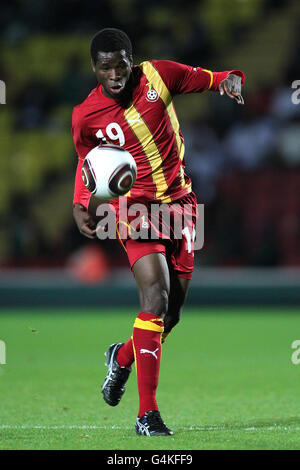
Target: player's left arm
182,79
227,83
232,87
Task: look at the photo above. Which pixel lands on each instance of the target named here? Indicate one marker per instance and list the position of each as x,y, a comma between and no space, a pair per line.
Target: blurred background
244,161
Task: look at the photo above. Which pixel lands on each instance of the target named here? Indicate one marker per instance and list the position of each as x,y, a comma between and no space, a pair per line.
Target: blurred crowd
247,173
239,158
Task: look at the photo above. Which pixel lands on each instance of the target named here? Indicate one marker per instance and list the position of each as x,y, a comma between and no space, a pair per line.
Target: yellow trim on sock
134,353
147,325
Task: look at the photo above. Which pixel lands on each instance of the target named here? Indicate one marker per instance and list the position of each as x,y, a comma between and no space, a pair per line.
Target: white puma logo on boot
143,351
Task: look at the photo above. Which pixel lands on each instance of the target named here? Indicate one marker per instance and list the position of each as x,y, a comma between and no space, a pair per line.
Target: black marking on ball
119,185
88,176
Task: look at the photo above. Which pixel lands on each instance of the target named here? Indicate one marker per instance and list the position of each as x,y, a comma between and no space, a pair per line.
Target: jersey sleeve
83,144
183,79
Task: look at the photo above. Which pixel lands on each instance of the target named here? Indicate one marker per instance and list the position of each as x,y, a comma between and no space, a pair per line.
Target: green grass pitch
227,381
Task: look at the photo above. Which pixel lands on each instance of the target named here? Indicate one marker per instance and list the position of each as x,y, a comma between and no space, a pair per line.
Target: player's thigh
152,269
151,273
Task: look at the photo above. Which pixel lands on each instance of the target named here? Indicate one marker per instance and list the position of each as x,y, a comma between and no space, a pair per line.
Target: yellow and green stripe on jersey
145,137
150,149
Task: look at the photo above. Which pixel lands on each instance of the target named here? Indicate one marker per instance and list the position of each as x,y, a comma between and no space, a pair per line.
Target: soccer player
132,107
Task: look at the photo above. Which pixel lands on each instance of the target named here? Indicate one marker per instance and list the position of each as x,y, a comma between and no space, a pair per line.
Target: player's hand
232,86
84,221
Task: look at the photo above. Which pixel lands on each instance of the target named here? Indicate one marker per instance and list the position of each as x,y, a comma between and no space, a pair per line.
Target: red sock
125,356
147,348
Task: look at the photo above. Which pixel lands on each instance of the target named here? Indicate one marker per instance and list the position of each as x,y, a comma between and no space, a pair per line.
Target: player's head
111,54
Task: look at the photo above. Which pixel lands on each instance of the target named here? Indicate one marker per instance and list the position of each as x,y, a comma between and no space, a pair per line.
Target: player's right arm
83,144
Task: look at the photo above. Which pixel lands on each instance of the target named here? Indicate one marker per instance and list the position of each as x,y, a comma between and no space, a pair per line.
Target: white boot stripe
109,372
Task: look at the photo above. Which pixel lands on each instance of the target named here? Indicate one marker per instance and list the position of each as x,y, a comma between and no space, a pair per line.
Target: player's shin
147,348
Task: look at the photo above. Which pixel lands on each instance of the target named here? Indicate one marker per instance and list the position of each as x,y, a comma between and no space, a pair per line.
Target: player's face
113,70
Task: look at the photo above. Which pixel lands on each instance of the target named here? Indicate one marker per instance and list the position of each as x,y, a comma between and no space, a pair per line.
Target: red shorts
169,231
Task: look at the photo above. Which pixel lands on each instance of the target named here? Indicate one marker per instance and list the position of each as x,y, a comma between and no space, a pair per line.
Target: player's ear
130,59
93,66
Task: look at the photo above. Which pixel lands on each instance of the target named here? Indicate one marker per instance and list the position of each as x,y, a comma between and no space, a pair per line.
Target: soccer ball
108,171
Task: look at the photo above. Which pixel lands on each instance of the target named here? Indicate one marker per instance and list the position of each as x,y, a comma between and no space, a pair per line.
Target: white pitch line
63,426
180,428
252,428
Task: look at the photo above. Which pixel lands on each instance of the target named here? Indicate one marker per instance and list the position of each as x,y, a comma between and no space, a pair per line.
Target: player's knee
155,299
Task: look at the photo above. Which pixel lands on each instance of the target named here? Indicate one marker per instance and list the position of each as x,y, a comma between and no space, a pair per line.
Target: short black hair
110,40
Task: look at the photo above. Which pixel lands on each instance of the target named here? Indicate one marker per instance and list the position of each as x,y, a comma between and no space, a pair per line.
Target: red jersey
148,128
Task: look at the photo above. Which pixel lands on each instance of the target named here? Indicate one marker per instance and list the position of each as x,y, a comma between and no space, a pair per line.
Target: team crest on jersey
152,95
